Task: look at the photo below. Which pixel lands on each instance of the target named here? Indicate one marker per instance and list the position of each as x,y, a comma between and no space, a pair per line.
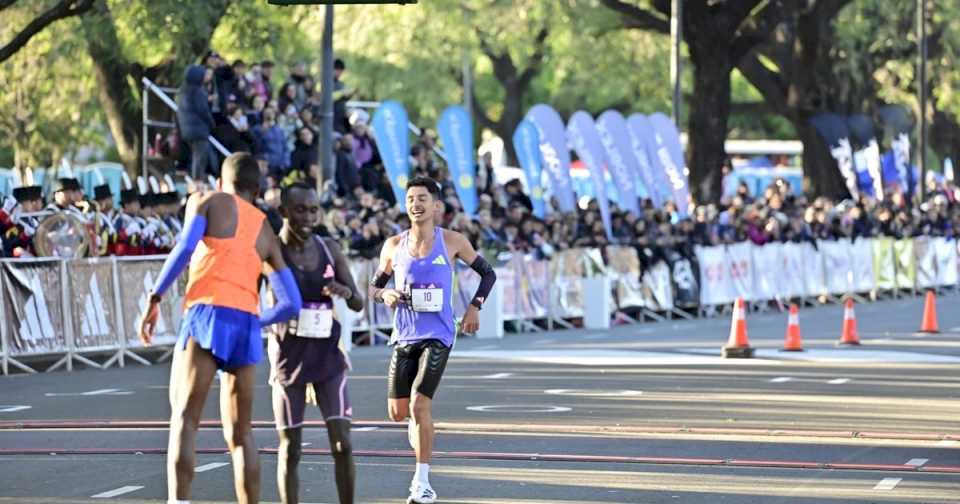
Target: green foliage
50,110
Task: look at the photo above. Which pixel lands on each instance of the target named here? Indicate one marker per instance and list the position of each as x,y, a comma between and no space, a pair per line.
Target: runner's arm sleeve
287,294
377,283
178,258
488,277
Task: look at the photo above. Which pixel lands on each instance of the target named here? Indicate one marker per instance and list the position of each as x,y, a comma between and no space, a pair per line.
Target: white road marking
364,429
948,443
97,392
838,381
580,357
782,379
306,443
10,408
485,347
518,408
593,393
211,466
888,483
594,336
497,376
116,492
544,341
917,462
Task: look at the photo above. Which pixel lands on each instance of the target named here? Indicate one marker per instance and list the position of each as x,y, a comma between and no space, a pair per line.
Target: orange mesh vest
225,271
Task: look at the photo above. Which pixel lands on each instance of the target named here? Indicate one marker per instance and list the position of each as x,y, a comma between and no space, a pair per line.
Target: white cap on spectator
359,116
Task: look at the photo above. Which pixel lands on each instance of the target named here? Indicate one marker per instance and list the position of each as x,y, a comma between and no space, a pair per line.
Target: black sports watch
476,303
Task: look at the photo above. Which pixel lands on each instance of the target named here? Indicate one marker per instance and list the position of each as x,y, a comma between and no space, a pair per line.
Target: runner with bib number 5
306,360
424,329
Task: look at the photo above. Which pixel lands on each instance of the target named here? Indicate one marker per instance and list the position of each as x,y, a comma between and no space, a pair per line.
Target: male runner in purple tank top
305,354
424,329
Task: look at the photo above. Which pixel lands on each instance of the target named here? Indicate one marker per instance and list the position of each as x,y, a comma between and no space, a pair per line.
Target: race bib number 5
429,300
315,321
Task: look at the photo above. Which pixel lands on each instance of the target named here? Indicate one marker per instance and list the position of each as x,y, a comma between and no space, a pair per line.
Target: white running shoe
412,433
421,494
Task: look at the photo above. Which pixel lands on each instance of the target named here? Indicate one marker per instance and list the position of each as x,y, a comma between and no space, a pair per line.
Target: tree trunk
820,174
113,89
509,119
707,122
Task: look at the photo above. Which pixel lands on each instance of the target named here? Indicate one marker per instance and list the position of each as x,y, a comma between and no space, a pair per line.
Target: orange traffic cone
929,324
849,334
738,346
793,342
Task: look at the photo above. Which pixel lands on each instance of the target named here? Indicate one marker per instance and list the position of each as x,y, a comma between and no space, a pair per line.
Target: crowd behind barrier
85,310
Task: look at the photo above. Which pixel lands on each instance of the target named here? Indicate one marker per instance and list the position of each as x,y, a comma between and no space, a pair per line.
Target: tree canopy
70,69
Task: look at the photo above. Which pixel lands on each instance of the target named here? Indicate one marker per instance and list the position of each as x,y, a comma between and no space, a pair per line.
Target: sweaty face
303,211
421,205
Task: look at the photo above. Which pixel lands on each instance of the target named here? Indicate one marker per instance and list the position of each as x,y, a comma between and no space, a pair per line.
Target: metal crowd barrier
59,312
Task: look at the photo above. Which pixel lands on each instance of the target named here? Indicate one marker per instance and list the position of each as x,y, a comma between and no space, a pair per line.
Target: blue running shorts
232,336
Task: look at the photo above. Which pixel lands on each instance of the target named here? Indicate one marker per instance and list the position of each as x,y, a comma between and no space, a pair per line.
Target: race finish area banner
456,134
554,154
583,137
137,277
33,307
526,143
390,127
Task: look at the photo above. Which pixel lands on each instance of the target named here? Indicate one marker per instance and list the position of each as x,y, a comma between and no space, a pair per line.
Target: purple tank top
296,360
426,274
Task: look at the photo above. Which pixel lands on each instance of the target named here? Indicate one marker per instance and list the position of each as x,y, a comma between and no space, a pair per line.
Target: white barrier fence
59,312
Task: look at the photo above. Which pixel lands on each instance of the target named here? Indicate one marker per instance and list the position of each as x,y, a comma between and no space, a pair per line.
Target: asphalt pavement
645,413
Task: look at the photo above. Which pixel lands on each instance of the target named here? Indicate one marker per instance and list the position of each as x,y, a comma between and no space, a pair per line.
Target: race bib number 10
315,321
429,300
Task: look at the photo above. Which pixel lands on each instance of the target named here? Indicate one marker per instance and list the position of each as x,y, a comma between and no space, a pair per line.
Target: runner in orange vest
228,243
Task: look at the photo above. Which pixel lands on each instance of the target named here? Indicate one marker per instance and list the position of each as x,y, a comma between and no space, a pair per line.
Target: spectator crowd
246,110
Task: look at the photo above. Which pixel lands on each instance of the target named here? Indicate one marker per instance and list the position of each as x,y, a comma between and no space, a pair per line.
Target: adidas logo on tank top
440,261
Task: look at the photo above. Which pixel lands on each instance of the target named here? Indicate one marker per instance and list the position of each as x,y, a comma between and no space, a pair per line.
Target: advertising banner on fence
33,306
526,143
926,259
656,284
686,288
583,137
456,134
739,266
814,278
641,139
622,163
861,257
836,262
624,269
554,153
767,263
884,270
136,281
568,272
906,264
946,252
791,272
94,311
670,154
715,285
390,127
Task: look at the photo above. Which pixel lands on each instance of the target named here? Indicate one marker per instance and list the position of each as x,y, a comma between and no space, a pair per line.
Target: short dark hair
427,183
288,190
242,171
338,64
267,64
239,62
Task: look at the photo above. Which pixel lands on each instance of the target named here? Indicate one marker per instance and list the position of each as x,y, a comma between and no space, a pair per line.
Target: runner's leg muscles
420,409
288,459
338,430
191,373
398,409
236,404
